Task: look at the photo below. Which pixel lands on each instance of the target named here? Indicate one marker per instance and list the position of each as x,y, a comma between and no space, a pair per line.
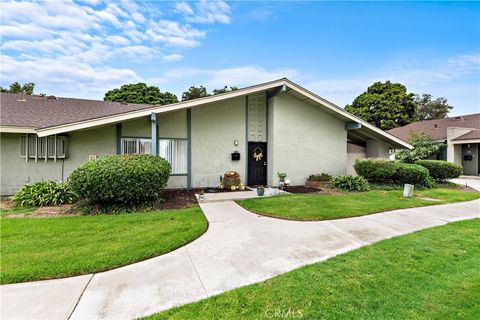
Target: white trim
465,141
17,129
215,98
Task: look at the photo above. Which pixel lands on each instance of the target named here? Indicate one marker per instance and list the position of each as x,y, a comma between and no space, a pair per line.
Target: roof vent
52,98
435,125
459,118
21,100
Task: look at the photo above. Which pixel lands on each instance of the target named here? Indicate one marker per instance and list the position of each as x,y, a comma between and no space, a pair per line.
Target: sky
82,49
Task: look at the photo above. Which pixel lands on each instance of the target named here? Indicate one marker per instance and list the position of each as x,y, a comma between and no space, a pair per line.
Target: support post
189,148
118,137
154,134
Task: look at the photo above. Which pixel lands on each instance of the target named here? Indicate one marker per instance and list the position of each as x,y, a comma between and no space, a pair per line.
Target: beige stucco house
460,134
256,131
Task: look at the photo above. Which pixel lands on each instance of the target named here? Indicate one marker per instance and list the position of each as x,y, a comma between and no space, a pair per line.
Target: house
256,131
460,134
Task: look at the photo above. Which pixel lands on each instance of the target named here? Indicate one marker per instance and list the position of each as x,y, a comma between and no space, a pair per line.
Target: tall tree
224,90
16,87
386,105
140,93
429,109
195,93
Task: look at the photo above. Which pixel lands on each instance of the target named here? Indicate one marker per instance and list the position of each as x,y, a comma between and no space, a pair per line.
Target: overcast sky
336,49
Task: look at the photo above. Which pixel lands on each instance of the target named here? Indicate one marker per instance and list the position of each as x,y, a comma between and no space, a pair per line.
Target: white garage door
354,152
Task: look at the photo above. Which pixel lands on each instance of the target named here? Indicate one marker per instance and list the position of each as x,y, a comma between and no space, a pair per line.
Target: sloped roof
437,129
57,116
474,134
43,112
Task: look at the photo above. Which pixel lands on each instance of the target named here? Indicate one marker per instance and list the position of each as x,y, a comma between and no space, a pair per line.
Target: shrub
120,179
375,169
45,193
319,177
424,147
231,178
411,173
350,183
441,170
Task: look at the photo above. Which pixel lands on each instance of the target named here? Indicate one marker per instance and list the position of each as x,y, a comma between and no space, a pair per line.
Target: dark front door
257,163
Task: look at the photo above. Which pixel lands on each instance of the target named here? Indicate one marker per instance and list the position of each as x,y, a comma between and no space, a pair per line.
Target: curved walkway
239,248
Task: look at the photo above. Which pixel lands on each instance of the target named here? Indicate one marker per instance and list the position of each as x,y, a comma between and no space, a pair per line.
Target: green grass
430,274
325,207
17,210
44,248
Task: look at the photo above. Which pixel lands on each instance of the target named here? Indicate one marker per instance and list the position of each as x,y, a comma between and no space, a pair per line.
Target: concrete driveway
239,248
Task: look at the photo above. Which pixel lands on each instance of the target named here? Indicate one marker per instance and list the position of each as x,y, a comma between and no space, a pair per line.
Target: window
135,145
175,152
172,150
51,147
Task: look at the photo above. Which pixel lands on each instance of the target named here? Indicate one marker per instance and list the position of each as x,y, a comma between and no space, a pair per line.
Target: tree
429,109
16,87
424,148
385,105
140,93
195,93
224,90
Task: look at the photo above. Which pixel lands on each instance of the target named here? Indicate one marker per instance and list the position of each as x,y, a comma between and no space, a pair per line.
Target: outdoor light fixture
235,142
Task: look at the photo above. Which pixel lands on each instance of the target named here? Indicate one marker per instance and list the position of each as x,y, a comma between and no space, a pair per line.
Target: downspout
189,148
154,134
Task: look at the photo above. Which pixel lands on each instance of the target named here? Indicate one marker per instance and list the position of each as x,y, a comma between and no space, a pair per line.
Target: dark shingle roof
474,134
437,129
42,112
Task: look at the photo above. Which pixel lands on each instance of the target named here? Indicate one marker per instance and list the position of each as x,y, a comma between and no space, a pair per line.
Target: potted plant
260,191
201,195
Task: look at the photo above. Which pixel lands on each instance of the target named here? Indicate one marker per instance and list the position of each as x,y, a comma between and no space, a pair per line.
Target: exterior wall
16,172
377,149
139,128
454,152
354,152
214,128
306,140
470,167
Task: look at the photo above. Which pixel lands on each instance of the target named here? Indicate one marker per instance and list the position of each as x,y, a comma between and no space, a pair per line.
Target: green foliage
231,178
44,193
385,105
375,169
195,93
411,173
224,90
16,87
441,170
350,183
140,93
120,179
424,147
429,109
319,177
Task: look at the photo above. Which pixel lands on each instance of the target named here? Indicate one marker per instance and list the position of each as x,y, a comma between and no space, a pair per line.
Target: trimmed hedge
381,170
376,169
350,183
411,173
44,193
120,179
441,170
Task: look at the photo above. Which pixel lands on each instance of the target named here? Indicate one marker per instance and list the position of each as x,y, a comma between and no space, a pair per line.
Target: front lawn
44,248
430,274
326,207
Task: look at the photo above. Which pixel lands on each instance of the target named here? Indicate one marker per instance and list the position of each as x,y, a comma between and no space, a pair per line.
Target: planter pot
260,192
273,191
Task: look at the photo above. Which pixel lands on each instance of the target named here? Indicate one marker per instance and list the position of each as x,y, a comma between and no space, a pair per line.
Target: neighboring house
461,135
256,131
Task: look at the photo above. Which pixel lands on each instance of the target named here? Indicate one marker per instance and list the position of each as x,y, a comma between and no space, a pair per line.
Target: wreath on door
258,154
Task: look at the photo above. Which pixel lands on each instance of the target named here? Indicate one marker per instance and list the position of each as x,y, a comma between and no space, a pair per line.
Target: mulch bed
302,189
178,199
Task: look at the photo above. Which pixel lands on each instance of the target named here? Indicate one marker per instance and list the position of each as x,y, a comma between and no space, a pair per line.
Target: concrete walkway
239,248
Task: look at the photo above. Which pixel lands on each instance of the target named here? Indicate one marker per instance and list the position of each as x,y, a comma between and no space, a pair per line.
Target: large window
175,151
51,147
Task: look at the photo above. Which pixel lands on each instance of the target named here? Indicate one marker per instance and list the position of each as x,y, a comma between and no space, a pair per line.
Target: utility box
408,190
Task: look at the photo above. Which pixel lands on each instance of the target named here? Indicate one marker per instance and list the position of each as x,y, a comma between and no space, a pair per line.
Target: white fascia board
16,129
159,109
346,114
465,141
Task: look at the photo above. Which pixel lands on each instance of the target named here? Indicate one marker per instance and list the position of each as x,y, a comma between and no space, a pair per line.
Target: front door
257,163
